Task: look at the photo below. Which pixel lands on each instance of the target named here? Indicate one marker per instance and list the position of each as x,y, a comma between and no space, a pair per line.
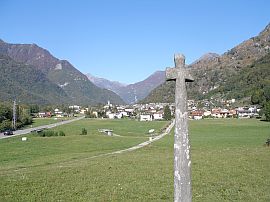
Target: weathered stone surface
182,161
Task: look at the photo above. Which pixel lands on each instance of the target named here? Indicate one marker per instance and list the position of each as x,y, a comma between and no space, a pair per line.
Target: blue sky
127,40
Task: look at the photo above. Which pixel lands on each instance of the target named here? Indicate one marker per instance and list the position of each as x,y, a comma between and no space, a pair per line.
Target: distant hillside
133,92
60,72
213,73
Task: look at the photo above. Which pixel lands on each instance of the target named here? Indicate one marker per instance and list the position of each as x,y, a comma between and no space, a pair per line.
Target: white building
76,108
58,113
207,113
146,117
83,111
111,115
158,116
123,114
130,110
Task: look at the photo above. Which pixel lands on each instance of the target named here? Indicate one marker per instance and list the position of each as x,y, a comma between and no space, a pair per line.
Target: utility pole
182,161
14,118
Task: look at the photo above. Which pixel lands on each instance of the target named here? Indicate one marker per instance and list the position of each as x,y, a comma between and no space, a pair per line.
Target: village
155,111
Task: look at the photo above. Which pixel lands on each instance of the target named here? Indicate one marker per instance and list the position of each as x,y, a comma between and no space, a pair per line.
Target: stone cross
182,161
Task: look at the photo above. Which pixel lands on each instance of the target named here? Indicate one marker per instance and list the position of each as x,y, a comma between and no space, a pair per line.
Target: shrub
84,132
50,133
61,133
167,113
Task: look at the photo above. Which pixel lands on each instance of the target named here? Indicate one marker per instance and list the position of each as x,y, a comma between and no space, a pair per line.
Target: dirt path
73,161
143,144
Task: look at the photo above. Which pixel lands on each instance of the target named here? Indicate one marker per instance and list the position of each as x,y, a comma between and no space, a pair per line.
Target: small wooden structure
108,132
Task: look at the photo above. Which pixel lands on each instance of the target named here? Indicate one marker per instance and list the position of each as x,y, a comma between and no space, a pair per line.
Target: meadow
46,121
229,163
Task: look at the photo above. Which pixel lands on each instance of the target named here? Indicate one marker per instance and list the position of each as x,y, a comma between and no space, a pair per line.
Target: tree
4,125
257,97
34,108
267,91
267,110
167,113
5,113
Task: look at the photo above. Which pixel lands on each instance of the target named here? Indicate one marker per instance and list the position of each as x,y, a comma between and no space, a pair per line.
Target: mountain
27,84
253,79
75,85
213,72
138,91
133,92
104,83
208,57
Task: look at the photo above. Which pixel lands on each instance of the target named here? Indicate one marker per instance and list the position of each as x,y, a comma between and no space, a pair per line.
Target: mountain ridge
131,93
213,74
27,84
60,72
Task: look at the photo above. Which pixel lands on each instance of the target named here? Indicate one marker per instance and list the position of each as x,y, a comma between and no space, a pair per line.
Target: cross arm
188,76
172,74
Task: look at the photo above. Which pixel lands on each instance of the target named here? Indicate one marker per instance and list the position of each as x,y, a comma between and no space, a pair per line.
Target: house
111,115
44,114
124,113
232,113
75,108
224,113
207,113
245,112
83,111
95,113
197,115
216,112
130,110
158,116
146,117
58,113
108,112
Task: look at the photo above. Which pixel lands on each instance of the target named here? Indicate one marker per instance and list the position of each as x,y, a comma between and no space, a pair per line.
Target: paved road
28,130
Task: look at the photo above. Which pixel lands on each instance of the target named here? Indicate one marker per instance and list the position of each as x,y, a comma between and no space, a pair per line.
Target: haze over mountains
105,83
32,75
131,93
237,73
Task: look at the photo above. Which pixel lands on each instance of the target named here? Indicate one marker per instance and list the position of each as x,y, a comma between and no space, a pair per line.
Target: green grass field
45,121
229,163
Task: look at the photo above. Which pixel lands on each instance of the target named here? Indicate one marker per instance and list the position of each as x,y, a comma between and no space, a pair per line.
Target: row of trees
23,116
